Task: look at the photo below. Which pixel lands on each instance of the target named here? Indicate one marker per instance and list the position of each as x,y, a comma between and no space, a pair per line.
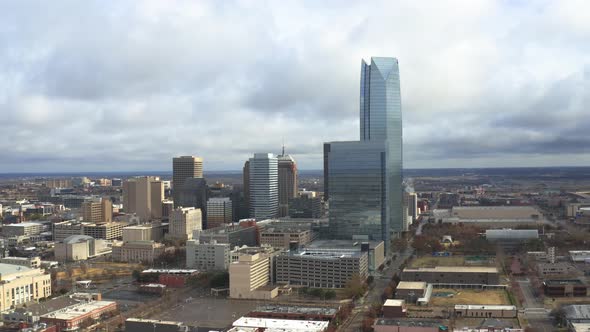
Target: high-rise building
288,185
98,211
184,167
183,221
219,211
246,182
264,186
143,196
193,193
363,179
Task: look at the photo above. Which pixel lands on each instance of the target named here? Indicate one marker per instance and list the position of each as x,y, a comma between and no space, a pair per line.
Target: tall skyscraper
288,185
193,193
246,182
185,167
219,211
363,179
264,186
143,196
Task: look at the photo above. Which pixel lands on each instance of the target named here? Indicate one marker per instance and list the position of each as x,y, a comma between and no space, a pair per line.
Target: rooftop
296,309
77,310
411,285
23,224
577,311
326,253
407,322
171,271
394,303
495,212
484,307
563,282
443,269
7,269
341,244
282,324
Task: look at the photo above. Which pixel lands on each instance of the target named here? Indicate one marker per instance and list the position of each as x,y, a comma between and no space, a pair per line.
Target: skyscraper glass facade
364,178
264,186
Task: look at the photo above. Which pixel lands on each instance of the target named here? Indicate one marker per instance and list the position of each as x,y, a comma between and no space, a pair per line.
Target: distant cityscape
362,245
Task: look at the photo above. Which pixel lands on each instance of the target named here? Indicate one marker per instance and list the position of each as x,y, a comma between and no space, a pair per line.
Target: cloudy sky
126,85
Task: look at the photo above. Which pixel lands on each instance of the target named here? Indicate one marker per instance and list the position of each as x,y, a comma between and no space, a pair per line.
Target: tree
354,287
136,275
220,279
330,294
317,292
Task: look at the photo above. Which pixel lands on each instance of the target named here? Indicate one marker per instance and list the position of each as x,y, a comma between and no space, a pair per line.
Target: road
534,310
374,295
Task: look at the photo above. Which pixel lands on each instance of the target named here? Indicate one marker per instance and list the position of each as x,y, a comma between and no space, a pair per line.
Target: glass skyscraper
363,179
263,186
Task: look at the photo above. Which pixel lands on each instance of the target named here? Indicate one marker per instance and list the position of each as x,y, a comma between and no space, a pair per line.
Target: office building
98,211
207,256
219,211
234,235
251,276
363,179
263,186
288,182
167,207
143,196
491,216
137,251
20,285
374,249
193,193
306,207
110,231
283,237
474,275
144,232
64,229
25,228
30,262
183,222
185,167
320,268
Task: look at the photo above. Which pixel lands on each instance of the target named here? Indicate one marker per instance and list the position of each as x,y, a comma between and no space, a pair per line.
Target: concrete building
298,312
486,311
250,277
306,207
167,208
263,186
79,247
321,268
219,211
143,196
406,325
363,179
193,193
25,228
20,285
284,237
70,318
137,251
30,262
144,232
185,167
491,216
98,211
183,222
511,235
246,186
376,249
557,269
110,231
65,229
579,256
393,308
465,275
207,256
410,291
288,182
236,235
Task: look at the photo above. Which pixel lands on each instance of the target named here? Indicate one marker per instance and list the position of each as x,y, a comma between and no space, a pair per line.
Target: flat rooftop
393,303
483,307
341,244
173,271
326,253
411,285
454,269
296,309
77,310
495,212
283,324
408,322
563,282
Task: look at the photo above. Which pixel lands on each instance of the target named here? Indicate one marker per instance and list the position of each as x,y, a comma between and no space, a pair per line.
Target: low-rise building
487,311
251,276
406,325
183,221
144,232
110,231
72,317
557,269
20,285
375,249
281,311
287,325
137,251
579,256
565,288
80,247
283,237
173,278
410,291
207,256
323,268
30,262
143,325
474,275
25,228
64,229
394,308
235,235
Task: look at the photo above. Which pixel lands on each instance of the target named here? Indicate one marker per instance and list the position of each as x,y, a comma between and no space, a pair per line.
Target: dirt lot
429,261
468,296
97,271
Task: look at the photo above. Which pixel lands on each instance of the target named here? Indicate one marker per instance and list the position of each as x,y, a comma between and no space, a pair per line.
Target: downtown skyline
480,88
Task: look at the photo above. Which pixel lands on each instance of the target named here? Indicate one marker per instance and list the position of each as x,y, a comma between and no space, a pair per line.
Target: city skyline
108,95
